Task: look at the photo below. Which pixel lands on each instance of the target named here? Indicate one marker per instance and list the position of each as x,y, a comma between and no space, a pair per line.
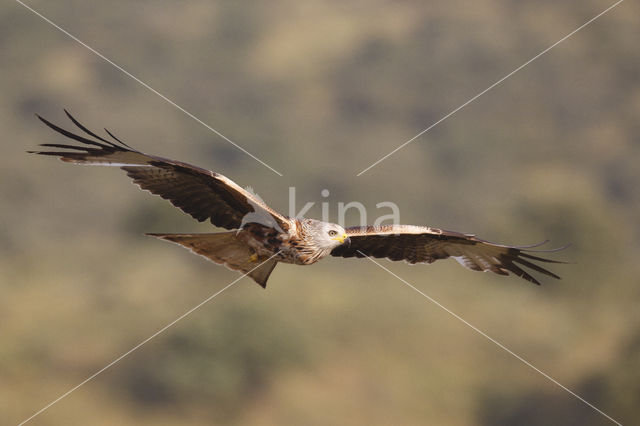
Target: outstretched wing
420,244
199,192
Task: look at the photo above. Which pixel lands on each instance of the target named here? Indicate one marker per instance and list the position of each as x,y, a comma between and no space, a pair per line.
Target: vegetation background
320,90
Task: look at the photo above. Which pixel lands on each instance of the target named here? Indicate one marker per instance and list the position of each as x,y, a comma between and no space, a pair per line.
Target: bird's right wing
421,244
199,192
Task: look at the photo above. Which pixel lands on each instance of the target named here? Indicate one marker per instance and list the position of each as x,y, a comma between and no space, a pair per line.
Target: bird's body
300,245
258,237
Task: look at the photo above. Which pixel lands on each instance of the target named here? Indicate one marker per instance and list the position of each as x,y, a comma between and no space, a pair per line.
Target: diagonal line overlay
94,375
491,339
491,87
498,82
142,83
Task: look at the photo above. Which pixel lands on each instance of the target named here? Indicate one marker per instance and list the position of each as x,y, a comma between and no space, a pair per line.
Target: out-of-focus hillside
319,91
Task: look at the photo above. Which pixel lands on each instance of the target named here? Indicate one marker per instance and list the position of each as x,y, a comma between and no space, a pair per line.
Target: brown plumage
421,244
260,237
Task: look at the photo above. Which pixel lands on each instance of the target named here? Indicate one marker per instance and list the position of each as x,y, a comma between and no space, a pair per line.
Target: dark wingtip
106,145
528,277
44,120
71,117
115,138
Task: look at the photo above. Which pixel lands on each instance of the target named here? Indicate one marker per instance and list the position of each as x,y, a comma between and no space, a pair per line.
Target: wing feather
201,193
420,244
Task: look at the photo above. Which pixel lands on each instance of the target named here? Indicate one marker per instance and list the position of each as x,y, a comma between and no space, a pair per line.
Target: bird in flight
258,237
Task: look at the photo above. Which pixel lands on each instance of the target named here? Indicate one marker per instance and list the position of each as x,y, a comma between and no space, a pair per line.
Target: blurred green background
320,90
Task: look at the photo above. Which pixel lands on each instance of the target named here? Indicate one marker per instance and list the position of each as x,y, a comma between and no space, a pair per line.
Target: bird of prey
258,237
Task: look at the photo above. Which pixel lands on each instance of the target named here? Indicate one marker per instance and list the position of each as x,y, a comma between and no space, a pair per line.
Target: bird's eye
332,233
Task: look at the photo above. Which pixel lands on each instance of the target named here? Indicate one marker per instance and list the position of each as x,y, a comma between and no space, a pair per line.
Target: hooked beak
344,239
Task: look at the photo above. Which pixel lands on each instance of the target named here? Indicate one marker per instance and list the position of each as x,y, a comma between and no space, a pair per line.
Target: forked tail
224,248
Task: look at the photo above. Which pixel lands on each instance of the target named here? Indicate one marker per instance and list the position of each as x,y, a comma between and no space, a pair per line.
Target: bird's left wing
421,244
199,192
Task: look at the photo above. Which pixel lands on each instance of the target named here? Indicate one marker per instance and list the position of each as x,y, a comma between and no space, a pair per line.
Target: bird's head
329,235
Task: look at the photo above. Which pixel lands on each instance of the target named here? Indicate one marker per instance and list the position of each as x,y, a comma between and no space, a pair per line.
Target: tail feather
224,248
